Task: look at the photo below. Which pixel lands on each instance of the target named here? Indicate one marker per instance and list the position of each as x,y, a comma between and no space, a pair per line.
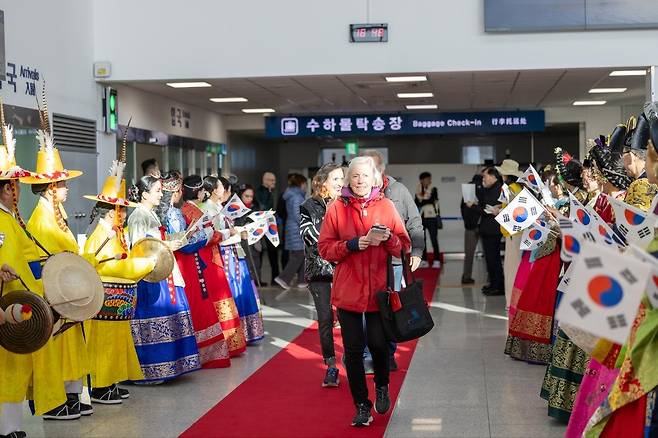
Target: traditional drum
72,286
32,333
155,248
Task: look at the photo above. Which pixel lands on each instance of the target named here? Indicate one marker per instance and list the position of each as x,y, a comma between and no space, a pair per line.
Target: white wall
170,39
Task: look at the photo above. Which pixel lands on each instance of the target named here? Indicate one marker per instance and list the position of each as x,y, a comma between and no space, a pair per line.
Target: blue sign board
403,124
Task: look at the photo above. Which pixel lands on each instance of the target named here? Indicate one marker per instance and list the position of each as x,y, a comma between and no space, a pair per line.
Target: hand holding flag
522,212
235,208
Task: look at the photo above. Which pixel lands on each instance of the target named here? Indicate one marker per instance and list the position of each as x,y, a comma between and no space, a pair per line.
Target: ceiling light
227,99
188,84
422,106
589,102
629,73
406,78
414,95
257,110
607,90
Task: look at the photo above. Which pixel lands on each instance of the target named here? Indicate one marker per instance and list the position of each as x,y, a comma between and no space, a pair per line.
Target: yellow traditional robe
43,227
110,346
41,370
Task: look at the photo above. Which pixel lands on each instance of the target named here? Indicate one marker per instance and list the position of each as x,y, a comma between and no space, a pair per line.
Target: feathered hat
49,164
568,168
611,167
114,188
8,167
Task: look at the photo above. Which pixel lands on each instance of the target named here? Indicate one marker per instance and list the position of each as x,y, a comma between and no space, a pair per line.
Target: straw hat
30,335
8,167
509,168
49,164
72,286
114,188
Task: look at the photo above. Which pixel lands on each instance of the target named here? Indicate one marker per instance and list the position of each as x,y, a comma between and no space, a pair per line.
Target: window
477,154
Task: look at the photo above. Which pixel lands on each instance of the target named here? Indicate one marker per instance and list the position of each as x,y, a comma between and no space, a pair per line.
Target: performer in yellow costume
48,226
20,372
110,344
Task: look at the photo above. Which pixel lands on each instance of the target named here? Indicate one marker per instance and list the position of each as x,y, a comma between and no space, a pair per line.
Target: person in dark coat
263,201
490,233
471,216
319,273
293,197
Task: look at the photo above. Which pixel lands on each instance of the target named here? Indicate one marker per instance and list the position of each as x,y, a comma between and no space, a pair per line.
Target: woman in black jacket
490,230
319,273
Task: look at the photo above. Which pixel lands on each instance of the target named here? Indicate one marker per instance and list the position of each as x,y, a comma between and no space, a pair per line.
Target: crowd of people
178,275
594,383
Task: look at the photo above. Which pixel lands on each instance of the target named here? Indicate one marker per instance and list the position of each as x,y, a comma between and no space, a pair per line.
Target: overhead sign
404,124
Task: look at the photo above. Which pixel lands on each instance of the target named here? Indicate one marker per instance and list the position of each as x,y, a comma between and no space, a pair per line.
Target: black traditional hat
611,167
640,138
651,114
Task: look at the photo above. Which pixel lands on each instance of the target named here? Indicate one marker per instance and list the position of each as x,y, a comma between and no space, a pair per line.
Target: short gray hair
375,155
365,161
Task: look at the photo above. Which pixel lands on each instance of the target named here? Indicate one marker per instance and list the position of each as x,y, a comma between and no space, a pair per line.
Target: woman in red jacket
360,230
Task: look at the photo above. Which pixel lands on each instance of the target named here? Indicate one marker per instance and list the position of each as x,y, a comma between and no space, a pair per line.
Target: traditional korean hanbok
162,327
242,286
213,349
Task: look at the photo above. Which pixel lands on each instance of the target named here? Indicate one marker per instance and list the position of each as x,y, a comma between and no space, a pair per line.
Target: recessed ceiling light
188,84
257,110
607,90
422,106
414,95
589,102
227,99
406,78
629,73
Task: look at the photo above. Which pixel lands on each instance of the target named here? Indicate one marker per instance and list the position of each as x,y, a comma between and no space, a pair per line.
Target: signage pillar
652,84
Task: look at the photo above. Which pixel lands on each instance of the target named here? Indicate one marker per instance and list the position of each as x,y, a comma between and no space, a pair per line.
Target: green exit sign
351,148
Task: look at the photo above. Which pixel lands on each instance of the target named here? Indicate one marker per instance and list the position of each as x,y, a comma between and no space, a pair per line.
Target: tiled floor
460,383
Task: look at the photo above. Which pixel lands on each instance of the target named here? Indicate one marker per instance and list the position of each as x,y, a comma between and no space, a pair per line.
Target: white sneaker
424,264
436,264
282,283
302,285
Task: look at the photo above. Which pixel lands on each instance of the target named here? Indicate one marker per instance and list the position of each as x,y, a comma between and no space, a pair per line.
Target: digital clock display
369,33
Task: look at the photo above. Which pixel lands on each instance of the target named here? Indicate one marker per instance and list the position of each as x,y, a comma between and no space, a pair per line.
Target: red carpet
284,398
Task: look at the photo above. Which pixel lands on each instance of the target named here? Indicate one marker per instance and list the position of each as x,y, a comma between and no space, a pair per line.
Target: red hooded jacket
359,275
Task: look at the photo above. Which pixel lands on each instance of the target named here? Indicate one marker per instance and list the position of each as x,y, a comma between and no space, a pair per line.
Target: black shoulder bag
405,314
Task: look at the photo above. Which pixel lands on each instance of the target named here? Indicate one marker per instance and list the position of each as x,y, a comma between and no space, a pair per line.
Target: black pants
491,246
354,342
431,226
321,292
272,256
294,266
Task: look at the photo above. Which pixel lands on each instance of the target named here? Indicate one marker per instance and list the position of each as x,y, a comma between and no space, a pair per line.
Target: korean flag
522,212
505,195
272,231
632,223
256,215
566,280
531,179
602,231
652,262
574,235
578,212
604,293
234,208
256,231
534,237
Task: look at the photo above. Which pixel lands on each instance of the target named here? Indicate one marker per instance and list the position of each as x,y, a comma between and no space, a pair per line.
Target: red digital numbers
361,32
377,32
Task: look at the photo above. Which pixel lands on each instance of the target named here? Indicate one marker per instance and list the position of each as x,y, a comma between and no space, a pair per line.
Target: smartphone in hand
377,234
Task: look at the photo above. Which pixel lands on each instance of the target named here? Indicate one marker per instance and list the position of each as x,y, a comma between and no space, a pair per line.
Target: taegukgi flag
632,223
566,279
256,230
272,231
531,179
574,235
602,231
652,262
522,212
605,291
256,215
505,194
235,208
534,237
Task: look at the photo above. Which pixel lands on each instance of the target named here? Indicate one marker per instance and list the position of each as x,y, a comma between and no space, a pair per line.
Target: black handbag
405,314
